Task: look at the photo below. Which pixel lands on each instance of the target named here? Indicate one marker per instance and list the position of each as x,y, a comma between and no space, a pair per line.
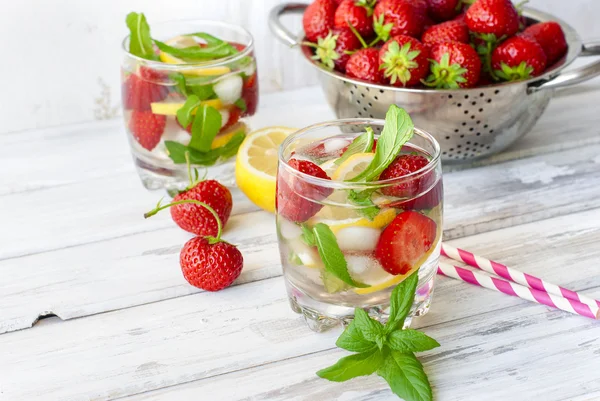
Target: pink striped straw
517,290
460,255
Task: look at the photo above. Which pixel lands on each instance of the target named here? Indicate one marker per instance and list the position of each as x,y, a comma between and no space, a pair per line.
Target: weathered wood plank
484,334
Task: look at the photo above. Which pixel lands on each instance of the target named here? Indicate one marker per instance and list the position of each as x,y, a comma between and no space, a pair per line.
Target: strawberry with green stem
355,13
454,65
334,50
404,61
406,17
518,58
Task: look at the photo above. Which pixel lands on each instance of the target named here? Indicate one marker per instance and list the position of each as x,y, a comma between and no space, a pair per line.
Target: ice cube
335,145
358,238
289,230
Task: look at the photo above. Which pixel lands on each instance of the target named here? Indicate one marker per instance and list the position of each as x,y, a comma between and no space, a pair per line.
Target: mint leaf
411,341
184,114
398,130
176,152
206,125
213,40
307,235
241,104
179,83
401,301
331,255
363,198
196,53
204,92
353,340
406,377
230,148
331,283
361,144
352,366
140,42
371,329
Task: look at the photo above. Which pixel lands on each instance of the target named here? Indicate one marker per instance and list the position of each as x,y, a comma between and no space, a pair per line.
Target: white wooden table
73,244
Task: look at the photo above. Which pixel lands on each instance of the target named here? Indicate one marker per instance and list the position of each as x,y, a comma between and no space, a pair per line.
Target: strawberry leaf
140,42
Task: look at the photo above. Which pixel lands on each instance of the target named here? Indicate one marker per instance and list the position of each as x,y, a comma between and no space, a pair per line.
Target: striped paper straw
515,276
517,290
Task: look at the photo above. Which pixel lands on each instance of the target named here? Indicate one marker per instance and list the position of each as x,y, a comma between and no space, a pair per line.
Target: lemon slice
395,280
181,42
256,165
353,166
170,108
384,218
226,136
329,167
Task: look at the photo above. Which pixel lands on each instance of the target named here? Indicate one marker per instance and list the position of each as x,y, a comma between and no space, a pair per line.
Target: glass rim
203,64
431,165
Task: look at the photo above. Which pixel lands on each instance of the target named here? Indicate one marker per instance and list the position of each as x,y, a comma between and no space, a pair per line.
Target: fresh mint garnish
214,41
206,125
180,85
196,53
331,255
387,350
398,130
204,92
177,151
363,199
231,147
185,113
331,283
361,144
241,104
140,42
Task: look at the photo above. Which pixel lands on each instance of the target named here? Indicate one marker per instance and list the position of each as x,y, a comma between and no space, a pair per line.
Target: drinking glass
153,91
304,201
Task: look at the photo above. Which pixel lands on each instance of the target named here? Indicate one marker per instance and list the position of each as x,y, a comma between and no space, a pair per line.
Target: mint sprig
196,53
177,151
140,41
363,199
361,144
398,130
386,349
206,125
331,255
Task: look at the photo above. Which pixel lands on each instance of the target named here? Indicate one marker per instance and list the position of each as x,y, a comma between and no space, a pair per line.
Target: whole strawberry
405,242
355,13
210,264
297,200
405,17
332,50
493,17
518,58
404,61
454,65
147,128
404,165
138,93
444,10
364,64
318,19
449,31
551,37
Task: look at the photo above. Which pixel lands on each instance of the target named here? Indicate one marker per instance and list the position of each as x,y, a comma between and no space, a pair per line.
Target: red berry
250,95
196,218
517,58
350,13
400,167
406,18
450,31
404,61
497,17
551,37
405,241
444,10
318,19
455,65
234,117
364,64
210,267
298,200
331,50
138,92
147,128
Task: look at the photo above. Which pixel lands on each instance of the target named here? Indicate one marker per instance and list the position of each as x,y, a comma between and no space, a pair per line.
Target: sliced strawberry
297,200
404,165
234,117
250,95
138,92
147,128
405,241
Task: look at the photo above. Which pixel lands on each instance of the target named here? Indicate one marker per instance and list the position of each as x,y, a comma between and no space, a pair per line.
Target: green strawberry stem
211,240
360,38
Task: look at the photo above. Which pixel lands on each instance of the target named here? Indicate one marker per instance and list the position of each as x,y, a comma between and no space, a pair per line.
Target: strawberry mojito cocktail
357,213
188,88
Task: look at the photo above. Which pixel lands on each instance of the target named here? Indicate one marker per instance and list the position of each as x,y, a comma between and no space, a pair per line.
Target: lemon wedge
226,136
170,108
181,42
256,165
384,218
352,166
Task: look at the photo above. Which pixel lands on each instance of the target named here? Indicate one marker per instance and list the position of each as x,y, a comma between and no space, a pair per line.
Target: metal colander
469,123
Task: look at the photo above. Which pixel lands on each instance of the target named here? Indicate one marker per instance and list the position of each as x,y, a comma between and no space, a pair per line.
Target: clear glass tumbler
153,91
383,245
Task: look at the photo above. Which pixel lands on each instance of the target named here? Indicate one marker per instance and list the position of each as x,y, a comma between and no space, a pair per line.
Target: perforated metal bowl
469,123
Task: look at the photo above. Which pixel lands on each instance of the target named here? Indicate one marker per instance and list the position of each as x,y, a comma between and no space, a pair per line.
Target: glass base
321,316
175,178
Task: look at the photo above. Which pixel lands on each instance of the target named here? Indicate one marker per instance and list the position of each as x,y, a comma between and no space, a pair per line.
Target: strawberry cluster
442,44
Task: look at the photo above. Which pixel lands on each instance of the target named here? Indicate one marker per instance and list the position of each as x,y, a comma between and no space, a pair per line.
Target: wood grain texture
492,347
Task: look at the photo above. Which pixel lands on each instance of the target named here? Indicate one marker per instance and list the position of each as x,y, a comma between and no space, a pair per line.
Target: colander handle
576,76
280,31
